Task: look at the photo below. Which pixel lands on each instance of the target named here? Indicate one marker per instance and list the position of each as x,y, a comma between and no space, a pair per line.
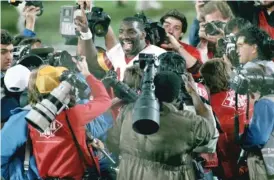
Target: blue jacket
261,126
28,33
14,136
193,37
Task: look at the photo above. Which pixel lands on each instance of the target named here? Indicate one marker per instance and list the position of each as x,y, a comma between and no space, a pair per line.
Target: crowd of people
60,120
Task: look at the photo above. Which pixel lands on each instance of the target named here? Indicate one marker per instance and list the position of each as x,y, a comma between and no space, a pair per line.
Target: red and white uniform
119,61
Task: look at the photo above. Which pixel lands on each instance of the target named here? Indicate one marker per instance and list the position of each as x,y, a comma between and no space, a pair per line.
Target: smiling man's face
131,38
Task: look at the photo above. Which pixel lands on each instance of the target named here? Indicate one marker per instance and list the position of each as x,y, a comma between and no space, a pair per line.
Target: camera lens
99,29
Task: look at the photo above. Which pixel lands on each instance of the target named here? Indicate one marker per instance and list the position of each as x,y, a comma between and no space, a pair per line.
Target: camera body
20,51
29,3
155,34
98,21
31,58
44,112
121,90
251,80
211,28
227,46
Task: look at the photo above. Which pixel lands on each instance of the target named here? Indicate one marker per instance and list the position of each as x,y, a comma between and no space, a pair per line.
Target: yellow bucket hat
48,78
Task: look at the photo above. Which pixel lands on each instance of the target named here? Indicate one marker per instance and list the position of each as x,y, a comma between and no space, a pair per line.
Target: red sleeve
84,113
196,54
193,51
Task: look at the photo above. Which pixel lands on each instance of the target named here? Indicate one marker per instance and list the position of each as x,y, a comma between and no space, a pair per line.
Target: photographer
258,138
175,25
252,50
215,73
173,62
226,46
119,56
145,156
78,115
215,14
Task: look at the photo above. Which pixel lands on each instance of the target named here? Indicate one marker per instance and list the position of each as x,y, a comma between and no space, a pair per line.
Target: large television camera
121,90
155,34
44,112
252,80
45,55
146,114
98,22
29,3
31,58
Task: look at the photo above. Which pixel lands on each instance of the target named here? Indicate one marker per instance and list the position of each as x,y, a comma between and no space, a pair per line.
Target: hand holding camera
212,31
172,43
30,13
190,85
82,65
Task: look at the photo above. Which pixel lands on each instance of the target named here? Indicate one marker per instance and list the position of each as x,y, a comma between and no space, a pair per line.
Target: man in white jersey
132,42
120,55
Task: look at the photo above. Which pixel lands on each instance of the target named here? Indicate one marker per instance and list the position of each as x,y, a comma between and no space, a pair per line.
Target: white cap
17,78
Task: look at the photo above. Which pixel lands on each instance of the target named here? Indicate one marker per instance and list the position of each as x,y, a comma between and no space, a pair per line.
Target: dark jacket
163,155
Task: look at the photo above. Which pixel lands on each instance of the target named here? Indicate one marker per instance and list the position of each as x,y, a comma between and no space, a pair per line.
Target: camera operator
166,153
215,14
215,73
175,25
118,56
251,48
226,46
68,164
258,138
173,62
260,15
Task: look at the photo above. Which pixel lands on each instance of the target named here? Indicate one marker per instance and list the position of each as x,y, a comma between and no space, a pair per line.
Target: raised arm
86,46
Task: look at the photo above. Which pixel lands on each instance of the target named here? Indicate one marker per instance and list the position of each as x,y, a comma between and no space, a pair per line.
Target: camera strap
27,154
80,152
236,120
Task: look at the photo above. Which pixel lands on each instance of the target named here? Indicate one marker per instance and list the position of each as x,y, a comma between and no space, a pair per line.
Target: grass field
47,26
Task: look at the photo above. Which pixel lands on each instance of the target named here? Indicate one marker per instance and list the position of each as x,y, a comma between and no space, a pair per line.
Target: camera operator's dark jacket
55,152
163,155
